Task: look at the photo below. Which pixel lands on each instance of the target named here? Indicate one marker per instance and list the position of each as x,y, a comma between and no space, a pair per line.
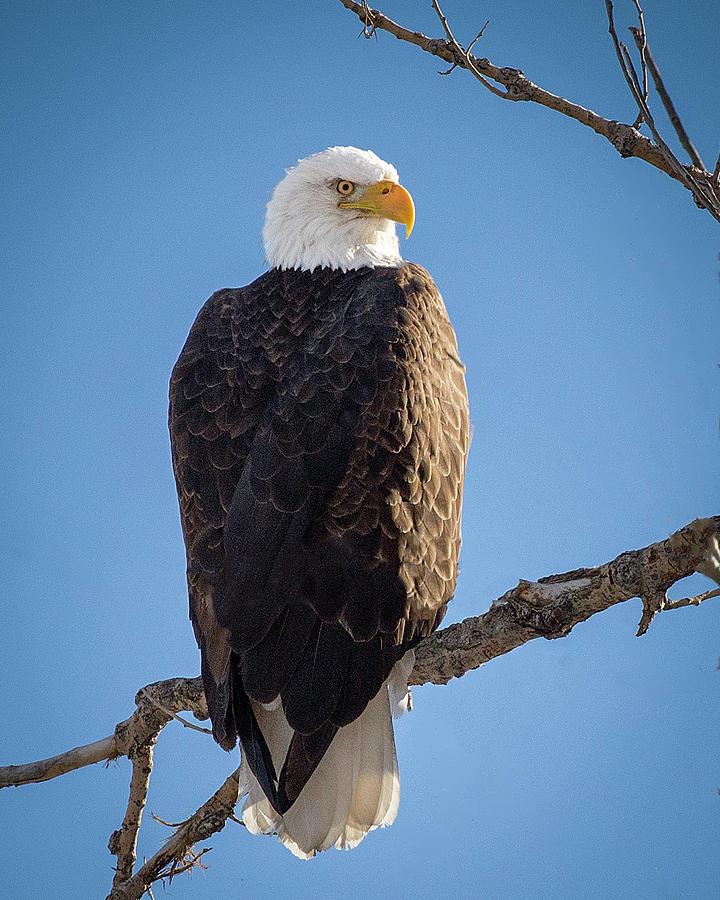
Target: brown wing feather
404,484
319,427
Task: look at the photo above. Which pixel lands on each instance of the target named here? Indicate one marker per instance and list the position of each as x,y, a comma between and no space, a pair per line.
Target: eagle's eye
344,187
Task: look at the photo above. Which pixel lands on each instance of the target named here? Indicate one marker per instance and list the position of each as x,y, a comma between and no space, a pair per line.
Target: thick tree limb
552,606
547,608
626,139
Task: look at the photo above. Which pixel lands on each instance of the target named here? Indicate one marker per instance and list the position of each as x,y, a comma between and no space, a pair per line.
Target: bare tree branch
156,705
692,601
700,189
123,843
642,46
552,606
465,55
176,855
641,41
45,769
549,608
626,139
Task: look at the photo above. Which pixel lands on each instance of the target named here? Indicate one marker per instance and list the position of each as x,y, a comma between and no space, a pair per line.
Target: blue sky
140,142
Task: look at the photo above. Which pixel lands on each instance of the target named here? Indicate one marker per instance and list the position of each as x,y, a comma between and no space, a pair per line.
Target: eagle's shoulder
408,277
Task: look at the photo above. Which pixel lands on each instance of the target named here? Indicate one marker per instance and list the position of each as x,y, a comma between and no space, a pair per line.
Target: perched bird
319,429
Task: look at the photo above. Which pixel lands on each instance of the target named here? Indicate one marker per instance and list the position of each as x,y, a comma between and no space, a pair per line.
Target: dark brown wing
218,392
319,428
409,465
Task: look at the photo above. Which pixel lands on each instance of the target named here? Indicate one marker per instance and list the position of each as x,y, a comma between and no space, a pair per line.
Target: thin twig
186,724
477,37
626,65
642,47
692,601
630,68
465,55
444,21
190,861
667,101
368,25
167,824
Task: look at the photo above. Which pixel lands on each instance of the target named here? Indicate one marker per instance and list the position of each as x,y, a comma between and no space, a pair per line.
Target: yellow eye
344,187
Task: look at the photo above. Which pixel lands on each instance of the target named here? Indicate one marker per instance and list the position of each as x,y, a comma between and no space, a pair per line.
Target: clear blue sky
140,142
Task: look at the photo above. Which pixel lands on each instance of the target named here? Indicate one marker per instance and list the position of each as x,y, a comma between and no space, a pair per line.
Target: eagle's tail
354,789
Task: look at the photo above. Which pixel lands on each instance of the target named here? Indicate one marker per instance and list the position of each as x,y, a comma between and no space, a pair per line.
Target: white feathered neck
305,228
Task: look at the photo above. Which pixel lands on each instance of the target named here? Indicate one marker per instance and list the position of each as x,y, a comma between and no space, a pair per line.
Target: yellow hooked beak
387,200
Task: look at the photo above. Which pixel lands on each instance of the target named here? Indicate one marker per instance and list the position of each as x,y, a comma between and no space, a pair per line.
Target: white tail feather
356,786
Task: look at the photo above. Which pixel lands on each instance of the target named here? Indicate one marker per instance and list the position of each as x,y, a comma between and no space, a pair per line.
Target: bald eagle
319,429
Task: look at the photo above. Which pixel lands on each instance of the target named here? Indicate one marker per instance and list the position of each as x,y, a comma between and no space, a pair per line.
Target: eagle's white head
337,208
